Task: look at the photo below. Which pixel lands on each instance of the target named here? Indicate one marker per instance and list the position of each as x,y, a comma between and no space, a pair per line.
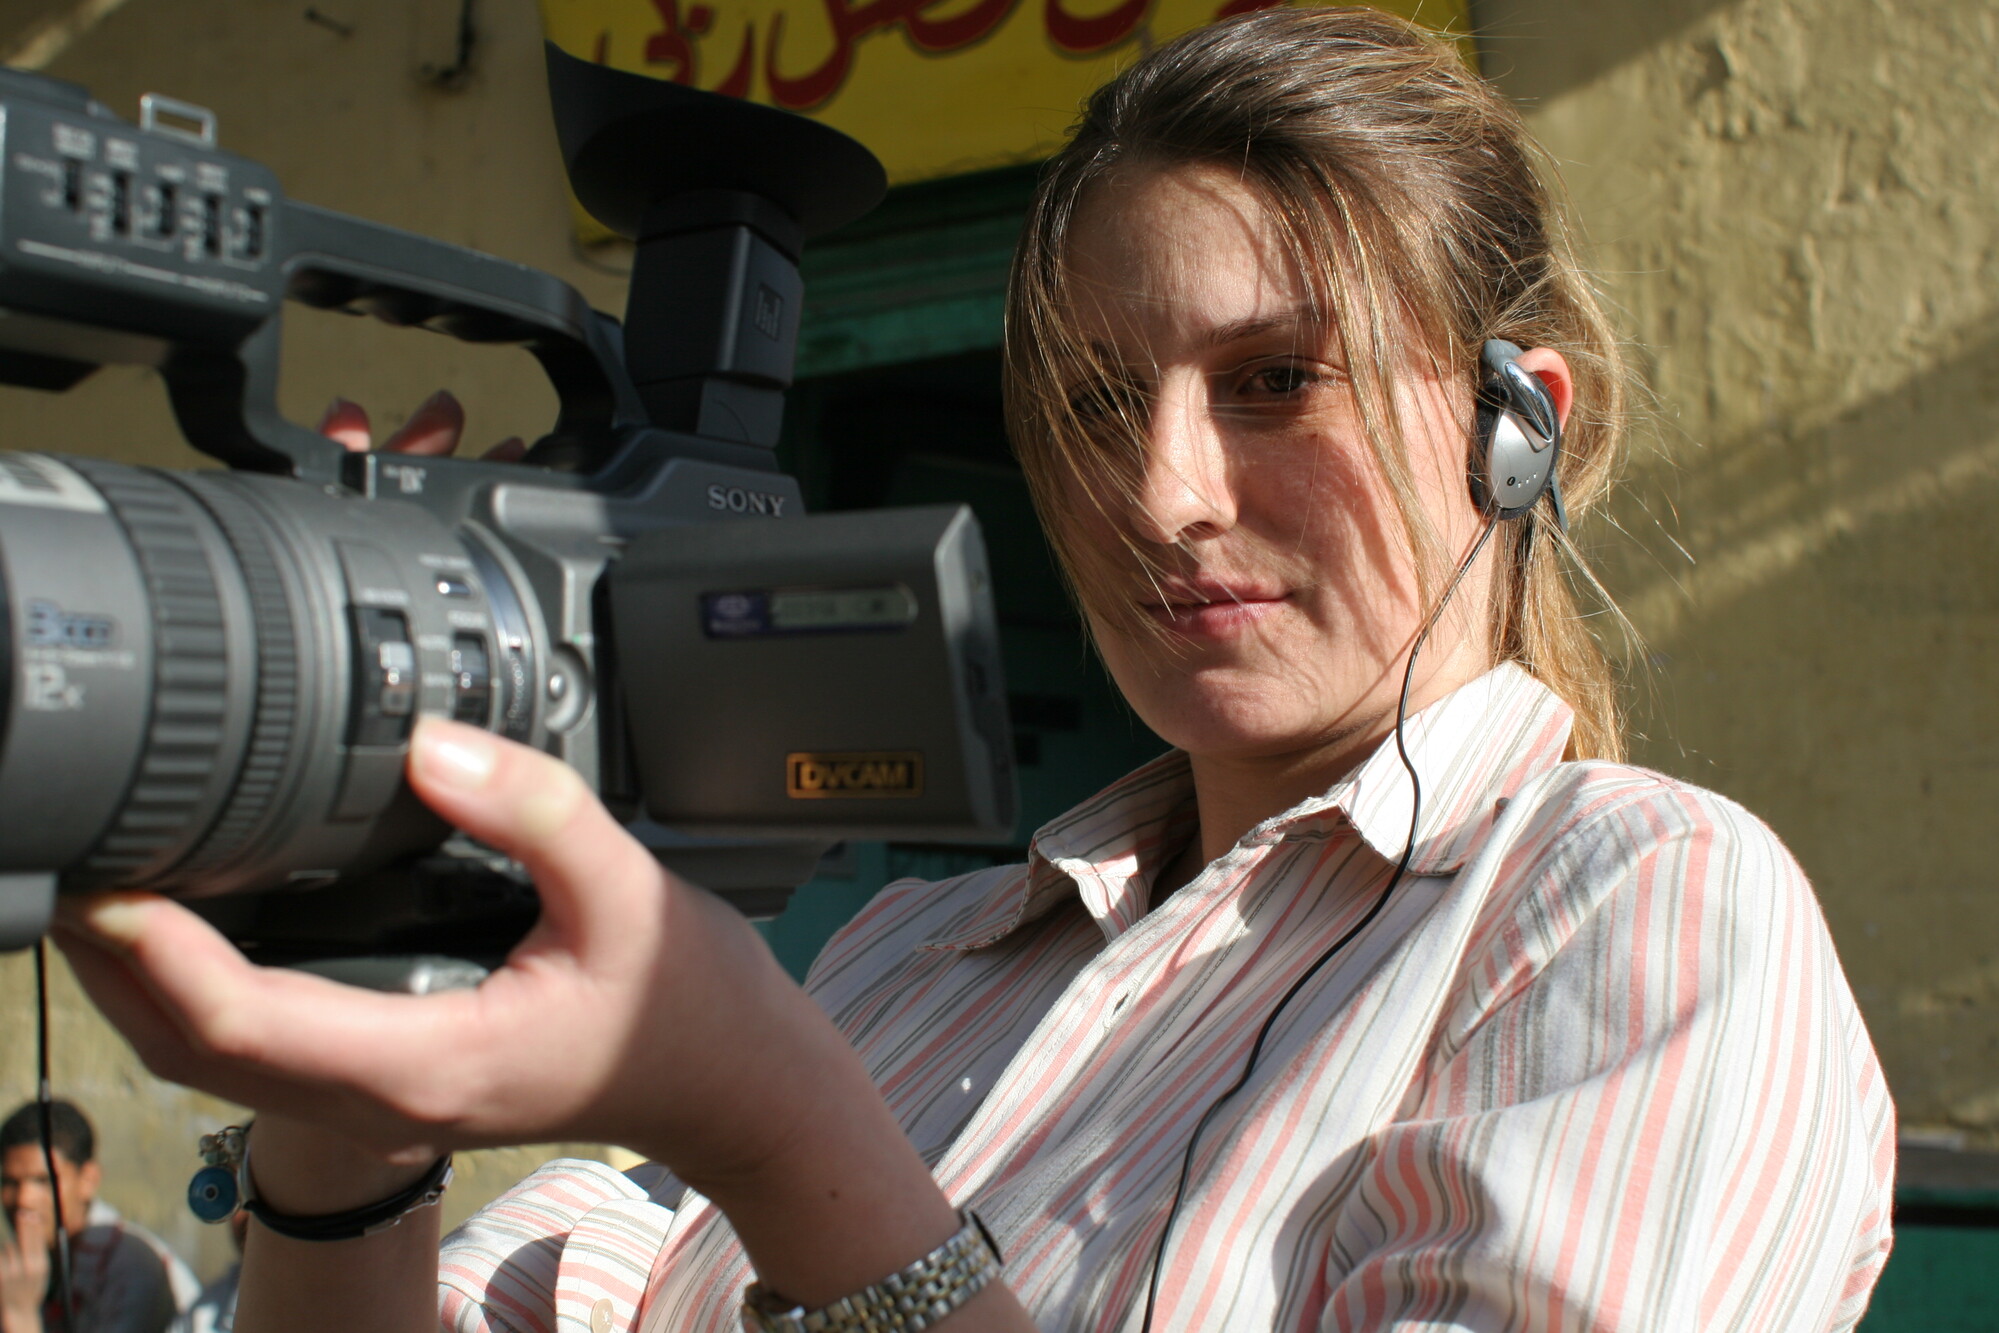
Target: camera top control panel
151,217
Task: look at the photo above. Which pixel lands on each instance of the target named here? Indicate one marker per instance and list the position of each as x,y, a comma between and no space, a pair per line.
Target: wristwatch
913,1298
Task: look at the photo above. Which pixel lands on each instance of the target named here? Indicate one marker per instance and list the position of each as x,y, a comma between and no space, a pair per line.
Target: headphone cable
1367,919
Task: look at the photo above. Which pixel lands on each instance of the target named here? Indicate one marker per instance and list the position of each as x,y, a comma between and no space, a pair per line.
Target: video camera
208,679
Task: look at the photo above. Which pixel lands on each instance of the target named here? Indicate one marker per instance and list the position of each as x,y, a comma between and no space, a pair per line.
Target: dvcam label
810,777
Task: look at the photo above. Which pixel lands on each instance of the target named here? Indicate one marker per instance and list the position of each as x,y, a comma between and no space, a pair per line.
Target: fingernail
117,917
442,398
334,409
453,756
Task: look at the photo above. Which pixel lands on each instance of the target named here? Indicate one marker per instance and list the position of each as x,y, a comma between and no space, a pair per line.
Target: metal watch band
906,1301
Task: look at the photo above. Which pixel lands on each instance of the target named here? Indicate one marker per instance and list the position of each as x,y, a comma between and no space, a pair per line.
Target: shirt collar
1472,749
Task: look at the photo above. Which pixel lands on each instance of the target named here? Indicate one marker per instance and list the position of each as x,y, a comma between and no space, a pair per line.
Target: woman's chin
1236,722
1244,735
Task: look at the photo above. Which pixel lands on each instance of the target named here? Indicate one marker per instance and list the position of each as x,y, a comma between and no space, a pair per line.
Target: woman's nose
1184,491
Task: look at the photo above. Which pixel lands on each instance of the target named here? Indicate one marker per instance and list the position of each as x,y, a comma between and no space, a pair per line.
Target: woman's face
1290,595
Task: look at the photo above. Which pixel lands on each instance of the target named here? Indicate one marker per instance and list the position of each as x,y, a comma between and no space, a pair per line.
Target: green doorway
898,403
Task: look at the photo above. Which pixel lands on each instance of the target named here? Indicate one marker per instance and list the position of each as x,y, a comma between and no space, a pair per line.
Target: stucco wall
1794,203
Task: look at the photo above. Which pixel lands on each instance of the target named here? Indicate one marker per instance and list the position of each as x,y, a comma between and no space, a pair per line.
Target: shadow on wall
1829,657
1515,50
1755,509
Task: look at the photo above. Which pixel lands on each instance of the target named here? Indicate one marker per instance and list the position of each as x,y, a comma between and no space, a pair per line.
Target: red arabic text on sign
672,52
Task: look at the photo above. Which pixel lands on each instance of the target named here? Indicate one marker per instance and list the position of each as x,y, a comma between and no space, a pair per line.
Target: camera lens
211,678
79,648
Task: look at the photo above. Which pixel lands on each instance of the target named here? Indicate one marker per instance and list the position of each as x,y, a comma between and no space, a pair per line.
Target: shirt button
600,1317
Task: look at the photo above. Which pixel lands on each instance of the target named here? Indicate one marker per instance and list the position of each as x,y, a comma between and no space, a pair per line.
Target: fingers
394,1071
199,1013
433,429
347,424
591,872
30,1235
118,995
169,1044
116,944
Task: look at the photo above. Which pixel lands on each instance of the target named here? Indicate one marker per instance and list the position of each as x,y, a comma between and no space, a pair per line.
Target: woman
1560,1045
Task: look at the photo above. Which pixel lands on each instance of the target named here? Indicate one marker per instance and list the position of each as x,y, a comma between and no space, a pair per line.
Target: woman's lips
1213,612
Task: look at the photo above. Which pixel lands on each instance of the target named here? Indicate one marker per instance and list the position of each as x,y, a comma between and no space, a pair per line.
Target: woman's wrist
843,1198
385,1282
305,1171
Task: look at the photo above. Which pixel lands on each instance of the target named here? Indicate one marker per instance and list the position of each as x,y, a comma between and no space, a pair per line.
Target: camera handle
227,399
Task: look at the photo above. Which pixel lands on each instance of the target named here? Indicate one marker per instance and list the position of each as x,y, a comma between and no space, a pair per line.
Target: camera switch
165,199
211,225
253,241
472,677
397,665
385,678
121,203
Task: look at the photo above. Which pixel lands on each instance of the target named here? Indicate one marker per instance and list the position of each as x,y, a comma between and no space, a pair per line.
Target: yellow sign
934,87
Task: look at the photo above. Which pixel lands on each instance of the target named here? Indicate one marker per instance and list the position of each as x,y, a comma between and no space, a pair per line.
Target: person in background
214,1311
123,1278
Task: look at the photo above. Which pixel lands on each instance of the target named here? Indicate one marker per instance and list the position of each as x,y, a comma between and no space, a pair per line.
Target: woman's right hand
631,981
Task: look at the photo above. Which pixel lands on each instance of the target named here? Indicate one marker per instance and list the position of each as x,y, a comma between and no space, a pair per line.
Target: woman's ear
1552,369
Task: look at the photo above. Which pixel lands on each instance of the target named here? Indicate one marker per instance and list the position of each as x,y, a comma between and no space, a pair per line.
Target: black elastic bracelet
354,1222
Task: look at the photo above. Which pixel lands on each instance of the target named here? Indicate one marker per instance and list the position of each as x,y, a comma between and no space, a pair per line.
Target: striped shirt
1594,1066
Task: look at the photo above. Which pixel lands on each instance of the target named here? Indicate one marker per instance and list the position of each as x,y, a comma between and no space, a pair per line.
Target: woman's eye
1103,402
1282,380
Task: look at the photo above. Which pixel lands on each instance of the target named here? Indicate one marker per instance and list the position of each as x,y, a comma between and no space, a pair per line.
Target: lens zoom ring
185,734
266,757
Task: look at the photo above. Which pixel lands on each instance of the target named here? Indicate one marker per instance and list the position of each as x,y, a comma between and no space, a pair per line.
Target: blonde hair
1406,189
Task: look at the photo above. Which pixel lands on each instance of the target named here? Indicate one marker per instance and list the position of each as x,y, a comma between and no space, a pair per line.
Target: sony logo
738,500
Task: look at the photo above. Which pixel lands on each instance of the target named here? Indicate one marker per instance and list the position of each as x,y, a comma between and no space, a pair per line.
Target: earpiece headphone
1517,440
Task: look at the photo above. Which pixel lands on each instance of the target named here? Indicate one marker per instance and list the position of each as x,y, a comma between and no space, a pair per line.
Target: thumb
538,810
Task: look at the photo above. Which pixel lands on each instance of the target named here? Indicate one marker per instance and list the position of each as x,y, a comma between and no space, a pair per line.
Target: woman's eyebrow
1306,327
1301,320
